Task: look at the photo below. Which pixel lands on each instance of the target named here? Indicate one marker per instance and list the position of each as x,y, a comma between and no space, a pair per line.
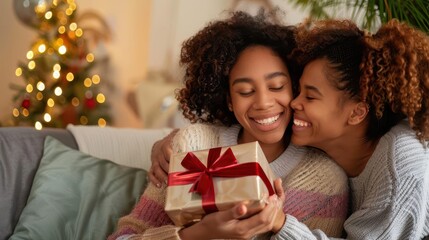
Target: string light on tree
60,86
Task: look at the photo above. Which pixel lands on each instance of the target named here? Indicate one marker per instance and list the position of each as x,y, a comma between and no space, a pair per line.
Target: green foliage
414,12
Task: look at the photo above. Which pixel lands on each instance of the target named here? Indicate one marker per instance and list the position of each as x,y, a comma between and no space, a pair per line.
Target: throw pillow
77,196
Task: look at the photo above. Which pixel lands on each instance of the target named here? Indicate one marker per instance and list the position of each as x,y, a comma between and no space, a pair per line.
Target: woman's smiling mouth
301,123
268,121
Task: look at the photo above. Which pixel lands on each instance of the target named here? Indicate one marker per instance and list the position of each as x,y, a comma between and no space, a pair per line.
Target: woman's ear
359,113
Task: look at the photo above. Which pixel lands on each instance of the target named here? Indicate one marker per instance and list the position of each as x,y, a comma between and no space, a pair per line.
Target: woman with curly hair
364,101
238,87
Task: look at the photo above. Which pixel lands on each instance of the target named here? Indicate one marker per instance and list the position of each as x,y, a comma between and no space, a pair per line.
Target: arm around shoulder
317,197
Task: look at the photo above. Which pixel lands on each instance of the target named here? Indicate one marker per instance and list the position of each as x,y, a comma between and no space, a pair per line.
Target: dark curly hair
387,70
209,56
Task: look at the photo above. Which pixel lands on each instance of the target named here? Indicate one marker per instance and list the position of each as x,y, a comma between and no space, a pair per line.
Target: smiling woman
260,93
239,82
364,101
326,108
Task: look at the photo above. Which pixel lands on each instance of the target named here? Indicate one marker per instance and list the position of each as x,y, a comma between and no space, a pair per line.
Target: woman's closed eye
246,93
279,88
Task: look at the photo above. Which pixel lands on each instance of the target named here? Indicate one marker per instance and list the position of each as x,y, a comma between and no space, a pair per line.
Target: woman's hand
280,217
160,158
227,223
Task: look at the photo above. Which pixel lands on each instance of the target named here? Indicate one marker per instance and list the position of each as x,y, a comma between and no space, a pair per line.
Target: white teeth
301,123
267,121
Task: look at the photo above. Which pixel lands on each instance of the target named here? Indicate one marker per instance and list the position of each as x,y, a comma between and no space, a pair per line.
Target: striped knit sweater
316,189
390,197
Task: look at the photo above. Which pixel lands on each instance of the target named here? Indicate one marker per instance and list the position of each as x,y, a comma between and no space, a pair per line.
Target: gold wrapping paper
185,208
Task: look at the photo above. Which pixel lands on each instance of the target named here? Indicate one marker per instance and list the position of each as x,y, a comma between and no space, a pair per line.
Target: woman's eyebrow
313,88
276,74
267,77
241,80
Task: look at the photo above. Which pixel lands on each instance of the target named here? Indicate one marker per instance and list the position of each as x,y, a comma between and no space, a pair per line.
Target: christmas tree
60,86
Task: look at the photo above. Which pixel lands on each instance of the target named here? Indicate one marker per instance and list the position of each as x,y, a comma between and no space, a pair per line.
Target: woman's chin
299,141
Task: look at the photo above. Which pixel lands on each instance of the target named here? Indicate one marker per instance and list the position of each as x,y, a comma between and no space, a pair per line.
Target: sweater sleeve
405,216
390,197
393,191
148,219
317,196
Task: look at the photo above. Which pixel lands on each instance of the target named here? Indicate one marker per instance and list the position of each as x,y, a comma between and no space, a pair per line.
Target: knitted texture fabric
317,194
316,189
390,197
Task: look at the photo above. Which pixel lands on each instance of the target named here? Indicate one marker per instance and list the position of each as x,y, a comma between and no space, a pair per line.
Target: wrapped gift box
206,181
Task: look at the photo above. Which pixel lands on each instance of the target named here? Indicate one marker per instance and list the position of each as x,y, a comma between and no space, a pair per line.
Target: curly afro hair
208,57
387,70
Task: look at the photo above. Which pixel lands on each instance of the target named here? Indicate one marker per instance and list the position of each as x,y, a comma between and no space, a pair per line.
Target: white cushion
125,146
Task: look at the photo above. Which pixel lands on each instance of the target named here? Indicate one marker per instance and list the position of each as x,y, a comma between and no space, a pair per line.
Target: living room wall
146,37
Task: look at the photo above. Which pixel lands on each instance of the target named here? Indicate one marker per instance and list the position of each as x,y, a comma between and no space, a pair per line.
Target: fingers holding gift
278,188
160,158
156,173
166,150
271,218
217,225
228,223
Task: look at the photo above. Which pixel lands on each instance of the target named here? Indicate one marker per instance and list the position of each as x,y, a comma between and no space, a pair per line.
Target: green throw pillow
77,196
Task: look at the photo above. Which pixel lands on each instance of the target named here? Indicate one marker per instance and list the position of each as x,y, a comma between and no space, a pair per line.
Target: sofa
72,183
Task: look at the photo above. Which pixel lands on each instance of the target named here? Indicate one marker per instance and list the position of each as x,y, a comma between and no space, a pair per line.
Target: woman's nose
264,100
295,104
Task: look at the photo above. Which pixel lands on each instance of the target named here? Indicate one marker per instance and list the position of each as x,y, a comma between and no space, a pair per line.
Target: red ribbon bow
217,166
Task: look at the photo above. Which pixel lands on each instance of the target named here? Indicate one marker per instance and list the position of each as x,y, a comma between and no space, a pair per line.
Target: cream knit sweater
316,189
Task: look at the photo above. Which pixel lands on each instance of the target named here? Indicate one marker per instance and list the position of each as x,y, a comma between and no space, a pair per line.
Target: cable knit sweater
316,189
390,197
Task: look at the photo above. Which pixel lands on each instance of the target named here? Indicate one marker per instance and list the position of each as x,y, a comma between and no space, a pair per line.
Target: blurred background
125,71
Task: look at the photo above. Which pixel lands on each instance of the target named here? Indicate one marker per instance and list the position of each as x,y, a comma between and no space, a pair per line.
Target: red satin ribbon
217,166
